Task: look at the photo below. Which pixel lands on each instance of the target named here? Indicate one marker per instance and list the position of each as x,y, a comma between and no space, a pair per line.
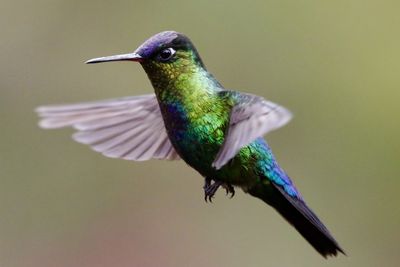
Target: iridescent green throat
184,80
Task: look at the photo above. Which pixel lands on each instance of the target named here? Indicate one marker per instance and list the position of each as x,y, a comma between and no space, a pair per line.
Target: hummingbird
192,117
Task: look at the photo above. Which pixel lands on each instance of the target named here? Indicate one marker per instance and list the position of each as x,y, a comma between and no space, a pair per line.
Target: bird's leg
211,188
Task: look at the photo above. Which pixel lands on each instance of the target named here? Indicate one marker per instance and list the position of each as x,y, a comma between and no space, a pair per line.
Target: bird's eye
166,54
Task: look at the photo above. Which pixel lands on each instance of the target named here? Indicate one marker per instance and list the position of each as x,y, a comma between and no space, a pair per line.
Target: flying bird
192,117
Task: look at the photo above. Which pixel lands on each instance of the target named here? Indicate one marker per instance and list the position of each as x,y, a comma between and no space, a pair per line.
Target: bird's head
164,56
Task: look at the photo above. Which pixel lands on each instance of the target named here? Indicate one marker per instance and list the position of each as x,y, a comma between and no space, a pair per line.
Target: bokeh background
335,64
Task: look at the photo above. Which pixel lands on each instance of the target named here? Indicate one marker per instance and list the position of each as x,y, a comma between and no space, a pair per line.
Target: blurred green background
335,64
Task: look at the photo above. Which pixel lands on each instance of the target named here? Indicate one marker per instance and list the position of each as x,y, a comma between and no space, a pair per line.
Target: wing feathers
130,128
250,118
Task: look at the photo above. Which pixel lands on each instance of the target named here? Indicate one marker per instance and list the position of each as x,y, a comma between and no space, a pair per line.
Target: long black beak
123,57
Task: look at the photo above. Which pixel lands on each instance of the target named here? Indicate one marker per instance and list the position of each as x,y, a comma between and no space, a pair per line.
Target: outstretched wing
131,128
250,118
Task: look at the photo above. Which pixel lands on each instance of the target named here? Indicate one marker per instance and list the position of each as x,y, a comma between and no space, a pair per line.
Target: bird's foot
211,188
229,190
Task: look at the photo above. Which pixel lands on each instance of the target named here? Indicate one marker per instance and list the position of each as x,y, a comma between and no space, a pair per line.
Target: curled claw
206,187
229,190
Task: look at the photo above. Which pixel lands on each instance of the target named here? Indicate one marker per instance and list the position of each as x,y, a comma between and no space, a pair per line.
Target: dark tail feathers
297,213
